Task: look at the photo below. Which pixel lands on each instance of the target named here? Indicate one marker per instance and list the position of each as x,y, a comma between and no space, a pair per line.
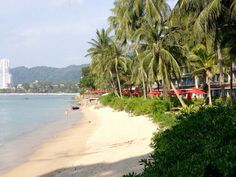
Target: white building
5,76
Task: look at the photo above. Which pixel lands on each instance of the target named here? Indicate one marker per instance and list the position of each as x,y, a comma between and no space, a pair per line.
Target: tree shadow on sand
114,169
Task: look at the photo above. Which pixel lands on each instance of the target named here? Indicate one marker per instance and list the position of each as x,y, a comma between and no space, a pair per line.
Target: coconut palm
140,72
153,37
118,61
107,58
211,18
143,22
203,62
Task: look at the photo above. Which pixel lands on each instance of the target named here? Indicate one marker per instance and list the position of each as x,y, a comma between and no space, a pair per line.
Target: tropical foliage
147,43
200,144
156,108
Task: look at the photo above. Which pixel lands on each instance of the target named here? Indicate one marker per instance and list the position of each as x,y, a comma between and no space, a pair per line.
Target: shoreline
101,140
30,141
38,94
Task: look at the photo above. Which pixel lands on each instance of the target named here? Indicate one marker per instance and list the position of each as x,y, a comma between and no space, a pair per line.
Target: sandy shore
103,143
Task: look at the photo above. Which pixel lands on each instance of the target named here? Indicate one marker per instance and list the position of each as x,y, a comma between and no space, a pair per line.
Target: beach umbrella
98,91
126,92
189,97
180,92
196,91
136,92
154,92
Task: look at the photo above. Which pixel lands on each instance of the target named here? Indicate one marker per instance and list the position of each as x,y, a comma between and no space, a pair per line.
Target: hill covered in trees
43,73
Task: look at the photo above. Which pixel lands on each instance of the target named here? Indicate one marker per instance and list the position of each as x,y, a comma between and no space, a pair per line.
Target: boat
73,107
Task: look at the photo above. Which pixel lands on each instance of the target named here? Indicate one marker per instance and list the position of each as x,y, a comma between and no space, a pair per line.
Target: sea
27,121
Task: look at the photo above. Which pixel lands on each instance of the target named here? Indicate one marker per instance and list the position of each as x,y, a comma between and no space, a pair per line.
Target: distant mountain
43,73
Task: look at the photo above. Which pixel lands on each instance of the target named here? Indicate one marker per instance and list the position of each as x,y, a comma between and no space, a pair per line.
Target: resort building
5,76
188,81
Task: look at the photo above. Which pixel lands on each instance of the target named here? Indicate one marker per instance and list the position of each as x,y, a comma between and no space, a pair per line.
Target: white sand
104,143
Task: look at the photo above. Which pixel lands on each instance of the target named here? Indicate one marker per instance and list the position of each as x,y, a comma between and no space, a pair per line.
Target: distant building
5,76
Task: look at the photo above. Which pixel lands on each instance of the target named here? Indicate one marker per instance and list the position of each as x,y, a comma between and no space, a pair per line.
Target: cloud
62,3
32,36
28,38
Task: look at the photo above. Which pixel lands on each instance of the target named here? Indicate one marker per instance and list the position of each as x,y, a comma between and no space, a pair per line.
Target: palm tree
107,59
117,61
203,62
140,73
144,24
212,17
97,51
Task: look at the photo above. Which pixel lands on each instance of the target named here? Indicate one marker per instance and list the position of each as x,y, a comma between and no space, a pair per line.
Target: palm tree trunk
113,85
209,91
231,84
220,65
158,85
118,79
180,99
196,81
144,88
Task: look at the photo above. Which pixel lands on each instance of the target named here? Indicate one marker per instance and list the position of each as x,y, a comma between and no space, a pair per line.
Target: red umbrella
136,93
180,92
98,91
154,92
196,91
126,92
189,96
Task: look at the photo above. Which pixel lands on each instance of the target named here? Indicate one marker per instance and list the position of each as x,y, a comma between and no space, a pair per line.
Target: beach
103,143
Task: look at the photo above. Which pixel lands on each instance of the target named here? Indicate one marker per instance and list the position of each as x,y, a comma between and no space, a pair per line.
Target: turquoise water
26,121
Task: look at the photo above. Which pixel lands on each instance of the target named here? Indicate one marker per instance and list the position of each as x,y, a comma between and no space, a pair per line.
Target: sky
50,32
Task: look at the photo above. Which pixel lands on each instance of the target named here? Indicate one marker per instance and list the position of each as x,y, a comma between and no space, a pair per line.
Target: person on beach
66,113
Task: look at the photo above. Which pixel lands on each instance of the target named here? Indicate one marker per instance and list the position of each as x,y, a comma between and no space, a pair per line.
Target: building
5,76
188,82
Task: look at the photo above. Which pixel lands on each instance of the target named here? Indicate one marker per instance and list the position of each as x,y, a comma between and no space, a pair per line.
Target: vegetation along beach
157,98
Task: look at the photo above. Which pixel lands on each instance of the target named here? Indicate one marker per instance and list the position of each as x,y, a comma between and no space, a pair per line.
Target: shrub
118,104
199,102
107,99
175,101
161,105
218,101
132,103
138,106
200,144
144,107
164,119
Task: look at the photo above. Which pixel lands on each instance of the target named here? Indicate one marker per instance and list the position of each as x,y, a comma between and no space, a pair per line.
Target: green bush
107,99
144,107
156,108
199,102
164,119
228,102
140,106
161,105
202,144
175,101
118,104
218,101
132,103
